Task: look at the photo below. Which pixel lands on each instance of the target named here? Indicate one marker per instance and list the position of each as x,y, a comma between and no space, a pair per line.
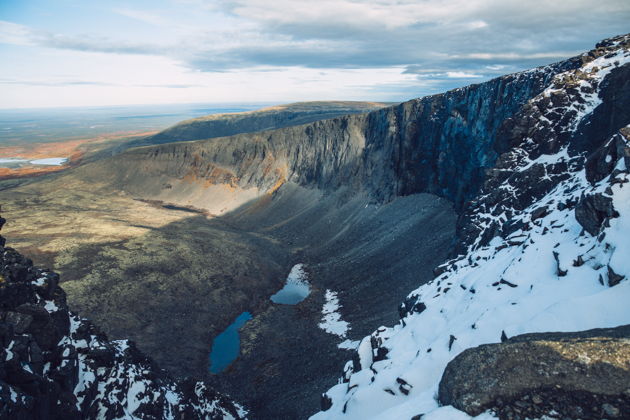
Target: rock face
542,245
55,365
440,144
221,125
593,211
558,122
578,375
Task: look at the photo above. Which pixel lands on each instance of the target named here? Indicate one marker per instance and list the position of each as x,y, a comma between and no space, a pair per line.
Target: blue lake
296,288
227,345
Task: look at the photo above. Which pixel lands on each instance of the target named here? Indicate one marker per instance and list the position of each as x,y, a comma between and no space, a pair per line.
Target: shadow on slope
175,287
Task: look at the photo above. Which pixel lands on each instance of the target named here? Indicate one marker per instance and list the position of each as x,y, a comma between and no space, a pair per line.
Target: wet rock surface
582,375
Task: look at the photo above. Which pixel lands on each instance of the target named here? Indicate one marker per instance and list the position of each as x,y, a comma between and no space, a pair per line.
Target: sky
95,53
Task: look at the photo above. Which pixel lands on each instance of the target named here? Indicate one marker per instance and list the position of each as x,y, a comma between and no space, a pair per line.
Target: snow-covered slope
53,364
545,247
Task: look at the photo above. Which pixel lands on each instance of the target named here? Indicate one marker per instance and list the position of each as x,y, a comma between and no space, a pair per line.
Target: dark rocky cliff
545,126
543,245
440,144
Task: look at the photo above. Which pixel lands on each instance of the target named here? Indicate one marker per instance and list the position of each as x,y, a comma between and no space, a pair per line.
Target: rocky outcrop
55,365
593,211
559,122
582,375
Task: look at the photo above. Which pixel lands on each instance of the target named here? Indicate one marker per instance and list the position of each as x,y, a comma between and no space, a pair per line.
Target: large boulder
582,375
592,212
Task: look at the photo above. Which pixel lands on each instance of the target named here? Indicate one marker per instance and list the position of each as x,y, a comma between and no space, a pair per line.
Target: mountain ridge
268,118
375,152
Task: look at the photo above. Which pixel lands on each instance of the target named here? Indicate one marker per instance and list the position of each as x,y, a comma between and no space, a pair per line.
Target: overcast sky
80,52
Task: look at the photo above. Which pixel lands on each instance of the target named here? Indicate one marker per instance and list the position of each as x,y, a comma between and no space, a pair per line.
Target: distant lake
19,126
12,162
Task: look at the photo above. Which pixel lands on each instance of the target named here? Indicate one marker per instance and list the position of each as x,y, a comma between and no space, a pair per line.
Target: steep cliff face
54,364
439,144
221,125
575,115
544,247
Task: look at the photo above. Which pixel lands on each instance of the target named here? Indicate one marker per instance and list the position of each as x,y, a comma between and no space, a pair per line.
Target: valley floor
172,279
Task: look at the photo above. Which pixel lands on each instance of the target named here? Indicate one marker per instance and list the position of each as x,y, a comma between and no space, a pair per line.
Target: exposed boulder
411,305
602,162
614,278
584,374
593,210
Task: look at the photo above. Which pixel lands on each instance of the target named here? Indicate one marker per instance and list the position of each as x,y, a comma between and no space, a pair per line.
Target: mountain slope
544,246
55,364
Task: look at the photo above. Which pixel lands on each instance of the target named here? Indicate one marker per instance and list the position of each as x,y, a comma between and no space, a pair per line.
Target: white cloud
14,34
143,16
477,24
397,46
370,13
461,75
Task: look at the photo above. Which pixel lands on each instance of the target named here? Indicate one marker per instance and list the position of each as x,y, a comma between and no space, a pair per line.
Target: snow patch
50,306
49,161
332,322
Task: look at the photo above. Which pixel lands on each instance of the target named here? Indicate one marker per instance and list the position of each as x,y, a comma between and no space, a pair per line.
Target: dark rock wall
546,125
439,144
442,144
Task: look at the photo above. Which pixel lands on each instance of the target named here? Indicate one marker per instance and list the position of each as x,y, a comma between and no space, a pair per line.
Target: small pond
227,345
296,288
